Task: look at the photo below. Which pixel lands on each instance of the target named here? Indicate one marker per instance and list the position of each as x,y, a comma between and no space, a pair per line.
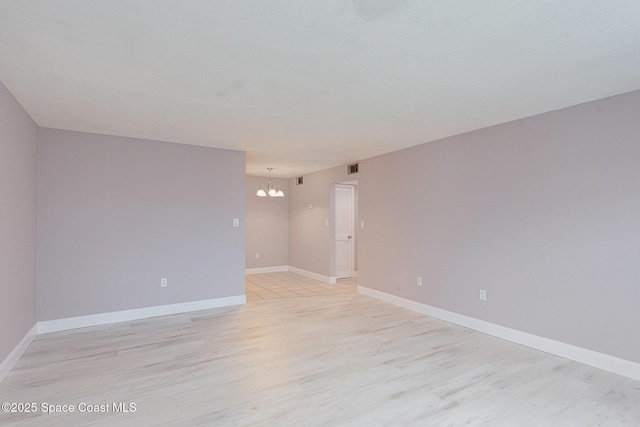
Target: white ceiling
303,85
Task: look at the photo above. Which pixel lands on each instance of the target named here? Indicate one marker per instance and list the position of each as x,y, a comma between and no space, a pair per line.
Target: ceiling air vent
352,169
299,180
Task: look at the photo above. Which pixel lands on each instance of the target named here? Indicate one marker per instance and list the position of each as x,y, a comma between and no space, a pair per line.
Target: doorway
344,239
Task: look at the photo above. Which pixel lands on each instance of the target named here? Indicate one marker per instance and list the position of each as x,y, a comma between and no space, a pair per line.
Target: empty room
319,213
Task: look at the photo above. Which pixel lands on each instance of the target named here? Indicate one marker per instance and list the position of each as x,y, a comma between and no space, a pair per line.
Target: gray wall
543,213
267,225
117,214
310,240
18,146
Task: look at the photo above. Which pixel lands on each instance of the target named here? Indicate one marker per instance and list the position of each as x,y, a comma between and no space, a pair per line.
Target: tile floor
290,285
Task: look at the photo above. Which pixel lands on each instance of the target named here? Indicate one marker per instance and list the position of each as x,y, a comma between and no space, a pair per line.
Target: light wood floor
291,285
329,360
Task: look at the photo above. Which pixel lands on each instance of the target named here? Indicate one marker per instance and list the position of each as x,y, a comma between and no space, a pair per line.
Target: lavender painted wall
18,146
267,225
543,213
115,215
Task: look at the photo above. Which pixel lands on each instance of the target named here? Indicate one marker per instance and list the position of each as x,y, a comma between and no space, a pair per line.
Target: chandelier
269,189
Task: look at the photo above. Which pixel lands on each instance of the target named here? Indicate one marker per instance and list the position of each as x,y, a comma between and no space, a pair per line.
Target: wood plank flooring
329,360
291,285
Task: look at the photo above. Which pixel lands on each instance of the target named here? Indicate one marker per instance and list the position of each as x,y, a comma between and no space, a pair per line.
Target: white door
344,218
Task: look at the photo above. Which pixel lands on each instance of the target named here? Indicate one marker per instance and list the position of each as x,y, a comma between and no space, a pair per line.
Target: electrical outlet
163,282
236,222
257,255
483,295
419,281
361,224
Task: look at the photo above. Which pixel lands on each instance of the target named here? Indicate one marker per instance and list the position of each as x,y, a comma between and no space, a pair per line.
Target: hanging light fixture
269,189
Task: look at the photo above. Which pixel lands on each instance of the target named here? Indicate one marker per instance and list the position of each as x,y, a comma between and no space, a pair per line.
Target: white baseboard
139,313
312,275
9,362
260,270
603,361
279,268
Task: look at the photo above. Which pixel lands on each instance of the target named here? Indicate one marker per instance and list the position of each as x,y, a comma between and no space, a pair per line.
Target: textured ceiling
302,85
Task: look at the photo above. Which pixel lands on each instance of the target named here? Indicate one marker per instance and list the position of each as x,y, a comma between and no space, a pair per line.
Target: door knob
350,237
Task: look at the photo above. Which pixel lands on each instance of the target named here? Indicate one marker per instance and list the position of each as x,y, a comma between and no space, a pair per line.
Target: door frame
351,187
